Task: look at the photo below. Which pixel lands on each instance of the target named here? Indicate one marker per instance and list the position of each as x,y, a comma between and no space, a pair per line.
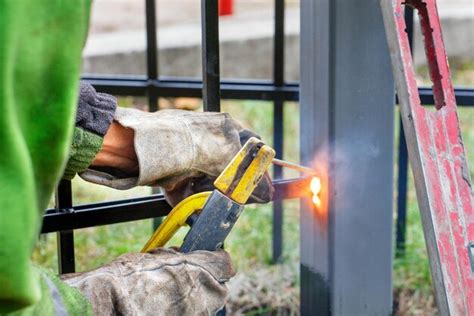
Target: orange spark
316,188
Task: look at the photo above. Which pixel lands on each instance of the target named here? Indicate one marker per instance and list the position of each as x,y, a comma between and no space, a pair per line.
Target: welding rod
294,166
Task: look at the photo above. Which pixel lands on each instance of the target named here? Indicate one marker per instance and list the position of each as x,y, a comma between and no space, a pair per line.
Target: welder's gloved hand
162,282
181,151
262,194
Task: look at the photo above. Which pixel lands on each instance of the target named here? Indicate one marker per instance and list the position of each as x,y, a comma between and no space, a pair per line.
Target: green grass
250,241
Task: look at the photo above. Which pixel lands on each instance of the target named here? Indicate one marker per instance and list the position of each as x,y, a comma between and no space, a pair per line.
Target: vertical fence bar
210,55
151,52
402,185
65,239
402,188
152,68
278,110
211,93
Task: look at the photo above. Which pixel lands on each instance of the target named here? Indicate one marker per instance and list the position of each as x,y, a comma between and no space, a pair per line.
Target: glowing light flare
315,187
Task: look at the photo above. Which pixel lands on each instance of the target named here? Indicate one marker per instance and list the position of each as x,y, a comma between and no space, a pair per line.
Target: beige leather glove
181,151
162,282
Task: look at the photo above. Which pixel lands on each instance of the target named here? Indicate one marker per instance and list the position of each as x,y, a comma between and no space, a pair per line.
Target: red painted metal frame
438,157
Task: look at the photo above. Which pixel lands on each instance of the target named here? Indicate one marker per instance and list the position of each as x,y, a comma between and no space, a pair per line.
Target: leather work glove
181,151
162,282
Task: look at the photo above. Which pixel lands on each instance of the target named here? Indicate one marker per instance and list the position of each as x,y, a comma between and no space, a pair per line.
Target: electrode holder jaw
213,215
213,225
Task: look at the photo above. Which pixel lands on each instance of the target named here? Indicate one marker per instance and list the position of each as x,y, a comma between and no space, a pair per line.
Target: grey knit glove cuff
95,111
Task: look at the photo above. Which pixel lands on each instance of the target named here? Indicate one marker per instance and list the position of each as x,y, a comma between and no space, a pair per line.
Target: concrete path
116,43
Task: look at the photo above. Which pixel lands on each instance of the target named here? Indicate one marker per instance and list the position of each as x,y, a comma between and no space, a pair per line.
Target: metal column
278,111
347,116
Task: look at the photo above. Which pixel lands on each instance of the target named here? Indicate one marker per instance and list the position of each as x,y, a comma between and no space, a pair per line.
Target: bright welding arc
315,187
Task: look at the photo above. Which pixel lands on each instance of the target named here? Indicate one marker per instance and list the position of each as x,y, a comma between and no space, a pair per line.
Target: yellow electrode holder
237,181
175,219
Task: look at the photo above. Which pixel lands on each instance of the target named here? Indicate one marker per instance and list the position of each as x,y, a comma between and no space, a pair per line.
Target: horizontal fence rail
232,90
120,211
192,88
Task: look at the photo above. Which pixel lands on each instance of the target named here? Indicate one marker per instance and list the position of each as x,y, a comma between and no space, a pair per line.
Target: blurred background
117,45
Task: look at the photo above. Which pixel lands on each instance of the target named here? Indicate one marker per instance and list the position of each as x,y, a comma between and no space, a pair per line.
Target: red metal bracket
437,157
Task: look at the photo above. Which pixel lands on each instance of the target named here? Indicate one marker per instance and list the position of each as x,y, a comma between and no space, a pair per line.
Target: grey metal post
347,116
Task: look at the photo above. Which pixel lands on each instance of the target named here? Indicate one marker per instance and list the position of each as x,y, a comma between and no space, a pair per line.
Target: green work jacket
40,53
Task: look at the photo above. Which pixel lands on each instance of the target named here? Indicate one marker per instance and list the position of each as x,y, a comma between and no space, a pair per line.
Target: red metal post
226,7
437,156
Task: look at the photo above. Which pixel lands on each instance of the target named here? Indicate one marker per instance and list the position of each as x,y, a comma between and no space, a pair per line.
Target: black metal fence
66,217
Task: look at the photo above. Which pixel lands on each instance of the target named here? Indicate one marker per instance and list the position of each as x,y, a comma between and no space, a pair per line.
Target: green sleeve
56,299
40,52
85,146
